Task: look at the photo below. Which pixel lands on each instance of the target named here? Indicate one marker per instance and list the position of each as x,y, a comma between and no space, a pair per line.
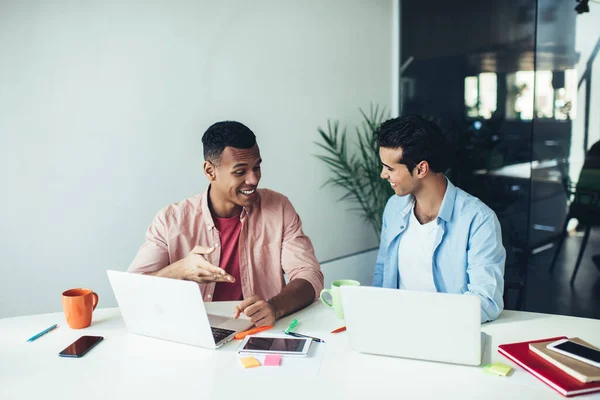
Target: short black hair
420,140
223,134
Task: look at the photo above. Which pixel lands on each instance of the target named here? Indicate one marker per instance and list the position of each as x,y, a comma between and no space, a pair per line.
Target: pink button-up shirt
271,242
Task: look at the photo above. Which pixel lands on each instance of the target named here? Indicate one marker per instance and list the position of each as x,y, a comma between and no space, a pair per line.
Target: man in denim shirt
435,237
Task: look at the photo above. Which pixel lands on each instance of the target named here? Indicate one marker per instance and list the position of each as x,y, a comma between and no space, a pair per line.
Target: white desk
126,366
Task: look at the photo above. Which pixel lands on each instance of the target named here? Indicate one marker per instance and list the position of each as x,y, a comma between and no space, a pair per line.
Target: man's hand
194,267
260,312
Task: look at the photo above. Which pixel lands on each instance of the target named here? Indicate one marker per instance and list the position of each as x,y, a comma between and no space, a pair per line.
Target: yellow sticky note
249,362
498,369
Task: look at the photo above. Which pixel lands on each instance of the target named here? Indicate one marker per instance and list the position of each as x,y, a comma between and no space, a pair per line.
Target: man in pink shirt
235,240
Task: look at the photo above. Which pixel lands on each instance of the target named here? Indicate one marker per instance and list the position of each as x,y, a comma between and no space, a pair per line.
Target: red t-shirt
229,230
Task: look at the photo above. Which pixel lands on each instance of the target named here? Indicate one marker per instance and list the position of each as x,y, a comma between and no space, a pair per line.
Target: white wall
358,267
103,104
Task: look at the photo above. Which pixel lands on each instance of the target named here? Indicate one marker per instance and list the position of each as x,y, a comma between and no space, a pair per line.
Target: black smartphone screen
579,350
275,344
81,346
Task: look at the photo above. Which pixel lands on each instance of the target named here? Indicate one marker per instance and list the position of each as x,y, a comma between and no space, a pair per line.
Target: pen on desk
42,333
291,326
338,330
305,336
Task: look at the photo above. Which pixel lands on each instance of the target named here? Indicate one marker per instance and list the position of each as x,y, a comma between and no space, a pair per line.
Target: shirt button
401,227
209,296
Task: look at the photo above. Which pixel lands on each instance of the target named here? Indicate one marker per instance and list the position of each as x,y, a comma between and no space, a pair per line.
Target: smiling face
235,177
398,175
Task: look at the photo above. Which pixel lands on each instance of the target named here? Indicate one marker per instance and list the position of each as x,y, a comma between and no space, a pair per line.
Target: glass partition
512,82
565,186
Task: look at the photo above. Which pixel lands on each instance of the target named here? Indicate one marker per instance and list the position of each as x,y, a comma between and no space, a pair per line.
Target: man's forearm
172,271
296,295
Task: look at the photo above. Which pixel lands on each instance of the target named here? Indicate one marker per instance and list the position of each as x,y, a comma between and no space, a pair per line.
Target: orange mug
78,305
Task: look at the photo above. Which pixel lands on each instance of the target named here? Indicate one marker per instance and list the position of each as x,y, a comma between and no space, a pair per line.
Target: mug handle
328,304
95,301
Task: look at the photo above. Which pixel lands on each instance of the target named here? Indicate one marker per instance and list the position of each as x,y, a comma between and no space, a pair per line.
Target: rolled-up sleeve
298,258
486,258
153,255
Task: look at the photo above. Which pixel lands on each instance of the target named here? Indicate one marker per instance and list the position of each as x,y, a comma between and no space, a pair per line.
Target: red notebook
552,376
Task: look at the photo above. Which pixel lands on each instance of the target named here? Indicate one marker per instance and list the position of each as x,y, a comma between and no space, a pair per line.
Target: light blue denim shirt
468,256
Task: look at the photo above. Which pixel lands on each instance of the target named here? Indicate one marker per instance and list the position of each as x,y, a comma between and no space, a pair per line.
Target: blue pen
314,339
42,333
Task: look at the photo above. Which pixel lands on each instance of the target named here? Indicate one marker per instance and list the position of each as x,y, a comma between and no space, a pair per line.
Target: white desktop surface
126,366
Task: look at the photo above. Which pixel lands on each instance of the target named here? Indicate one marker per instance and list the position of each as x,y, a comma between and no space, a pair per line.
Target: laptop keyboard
220,334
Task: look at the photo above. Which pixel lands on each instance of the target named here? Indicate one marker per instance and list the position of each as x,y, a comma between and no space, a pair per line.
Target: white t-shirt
415,255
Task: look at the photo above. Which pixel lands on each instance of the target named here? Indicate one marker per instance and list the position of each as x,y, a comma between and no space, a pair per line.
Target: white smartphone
275,345
576,351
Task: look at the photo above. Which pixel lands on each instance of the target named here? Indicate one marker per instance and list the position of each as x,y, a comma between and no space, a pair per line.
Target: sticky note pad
272,360
497,369
249,362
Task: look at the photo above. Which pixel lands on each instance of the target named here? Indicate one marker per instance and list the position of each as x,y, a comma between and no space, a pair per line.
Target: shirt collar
447,206
409,206
207,215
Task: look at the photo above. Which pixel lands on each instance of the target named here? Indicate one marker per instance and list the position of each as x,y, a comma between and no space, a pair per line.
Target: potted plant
355,165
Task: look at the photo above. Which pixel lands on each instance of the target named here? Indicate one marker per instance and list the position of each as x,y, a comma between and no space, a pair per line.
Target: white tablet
275,345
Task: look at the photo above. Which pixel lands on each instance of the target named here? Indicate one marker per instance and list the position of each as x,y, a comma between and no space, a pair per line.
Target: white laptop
421,325
170,309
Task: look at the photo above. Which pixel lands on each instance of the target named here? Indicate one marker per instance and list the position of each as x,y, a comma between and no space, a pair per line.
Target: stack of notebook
567,376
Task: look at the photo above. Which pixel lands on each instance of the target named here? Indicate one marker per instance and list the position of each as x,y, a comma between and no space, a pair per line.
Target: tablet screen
275,344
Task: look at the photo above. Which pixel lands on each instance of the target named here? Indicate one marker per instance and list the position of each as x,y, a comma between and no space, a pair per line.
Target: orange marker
242,335
338,330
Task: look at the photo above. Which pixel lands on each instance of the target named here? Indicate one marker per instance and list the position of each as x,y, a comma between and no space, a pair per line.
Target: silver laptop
170,309
421,325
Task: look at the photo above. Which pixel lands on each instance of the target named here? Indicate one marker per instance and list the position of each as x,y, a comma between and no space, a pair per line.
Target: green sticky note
497,369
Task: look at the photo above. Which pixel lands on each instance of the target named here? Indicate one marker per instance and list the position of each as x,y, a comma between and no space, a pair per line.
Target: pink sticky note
272,360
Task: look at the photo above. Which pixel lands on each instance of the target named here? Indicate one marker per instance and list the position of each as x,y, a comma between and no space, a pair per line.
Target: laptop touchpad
217,320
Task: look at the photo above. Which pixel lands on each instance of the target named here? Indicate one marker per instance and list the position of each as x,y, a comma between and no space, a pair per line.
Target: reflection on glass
523,105
554,103
471,96
487,94
544,95
481,95
565,98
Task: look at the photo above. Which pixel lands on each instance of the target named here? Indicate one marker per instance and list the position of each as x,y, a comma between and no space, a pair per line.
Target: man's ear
210,171
422,169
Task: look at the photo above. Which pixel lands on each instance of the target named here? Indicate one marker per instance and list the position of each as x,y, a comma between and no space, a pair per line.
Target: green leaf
356,170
